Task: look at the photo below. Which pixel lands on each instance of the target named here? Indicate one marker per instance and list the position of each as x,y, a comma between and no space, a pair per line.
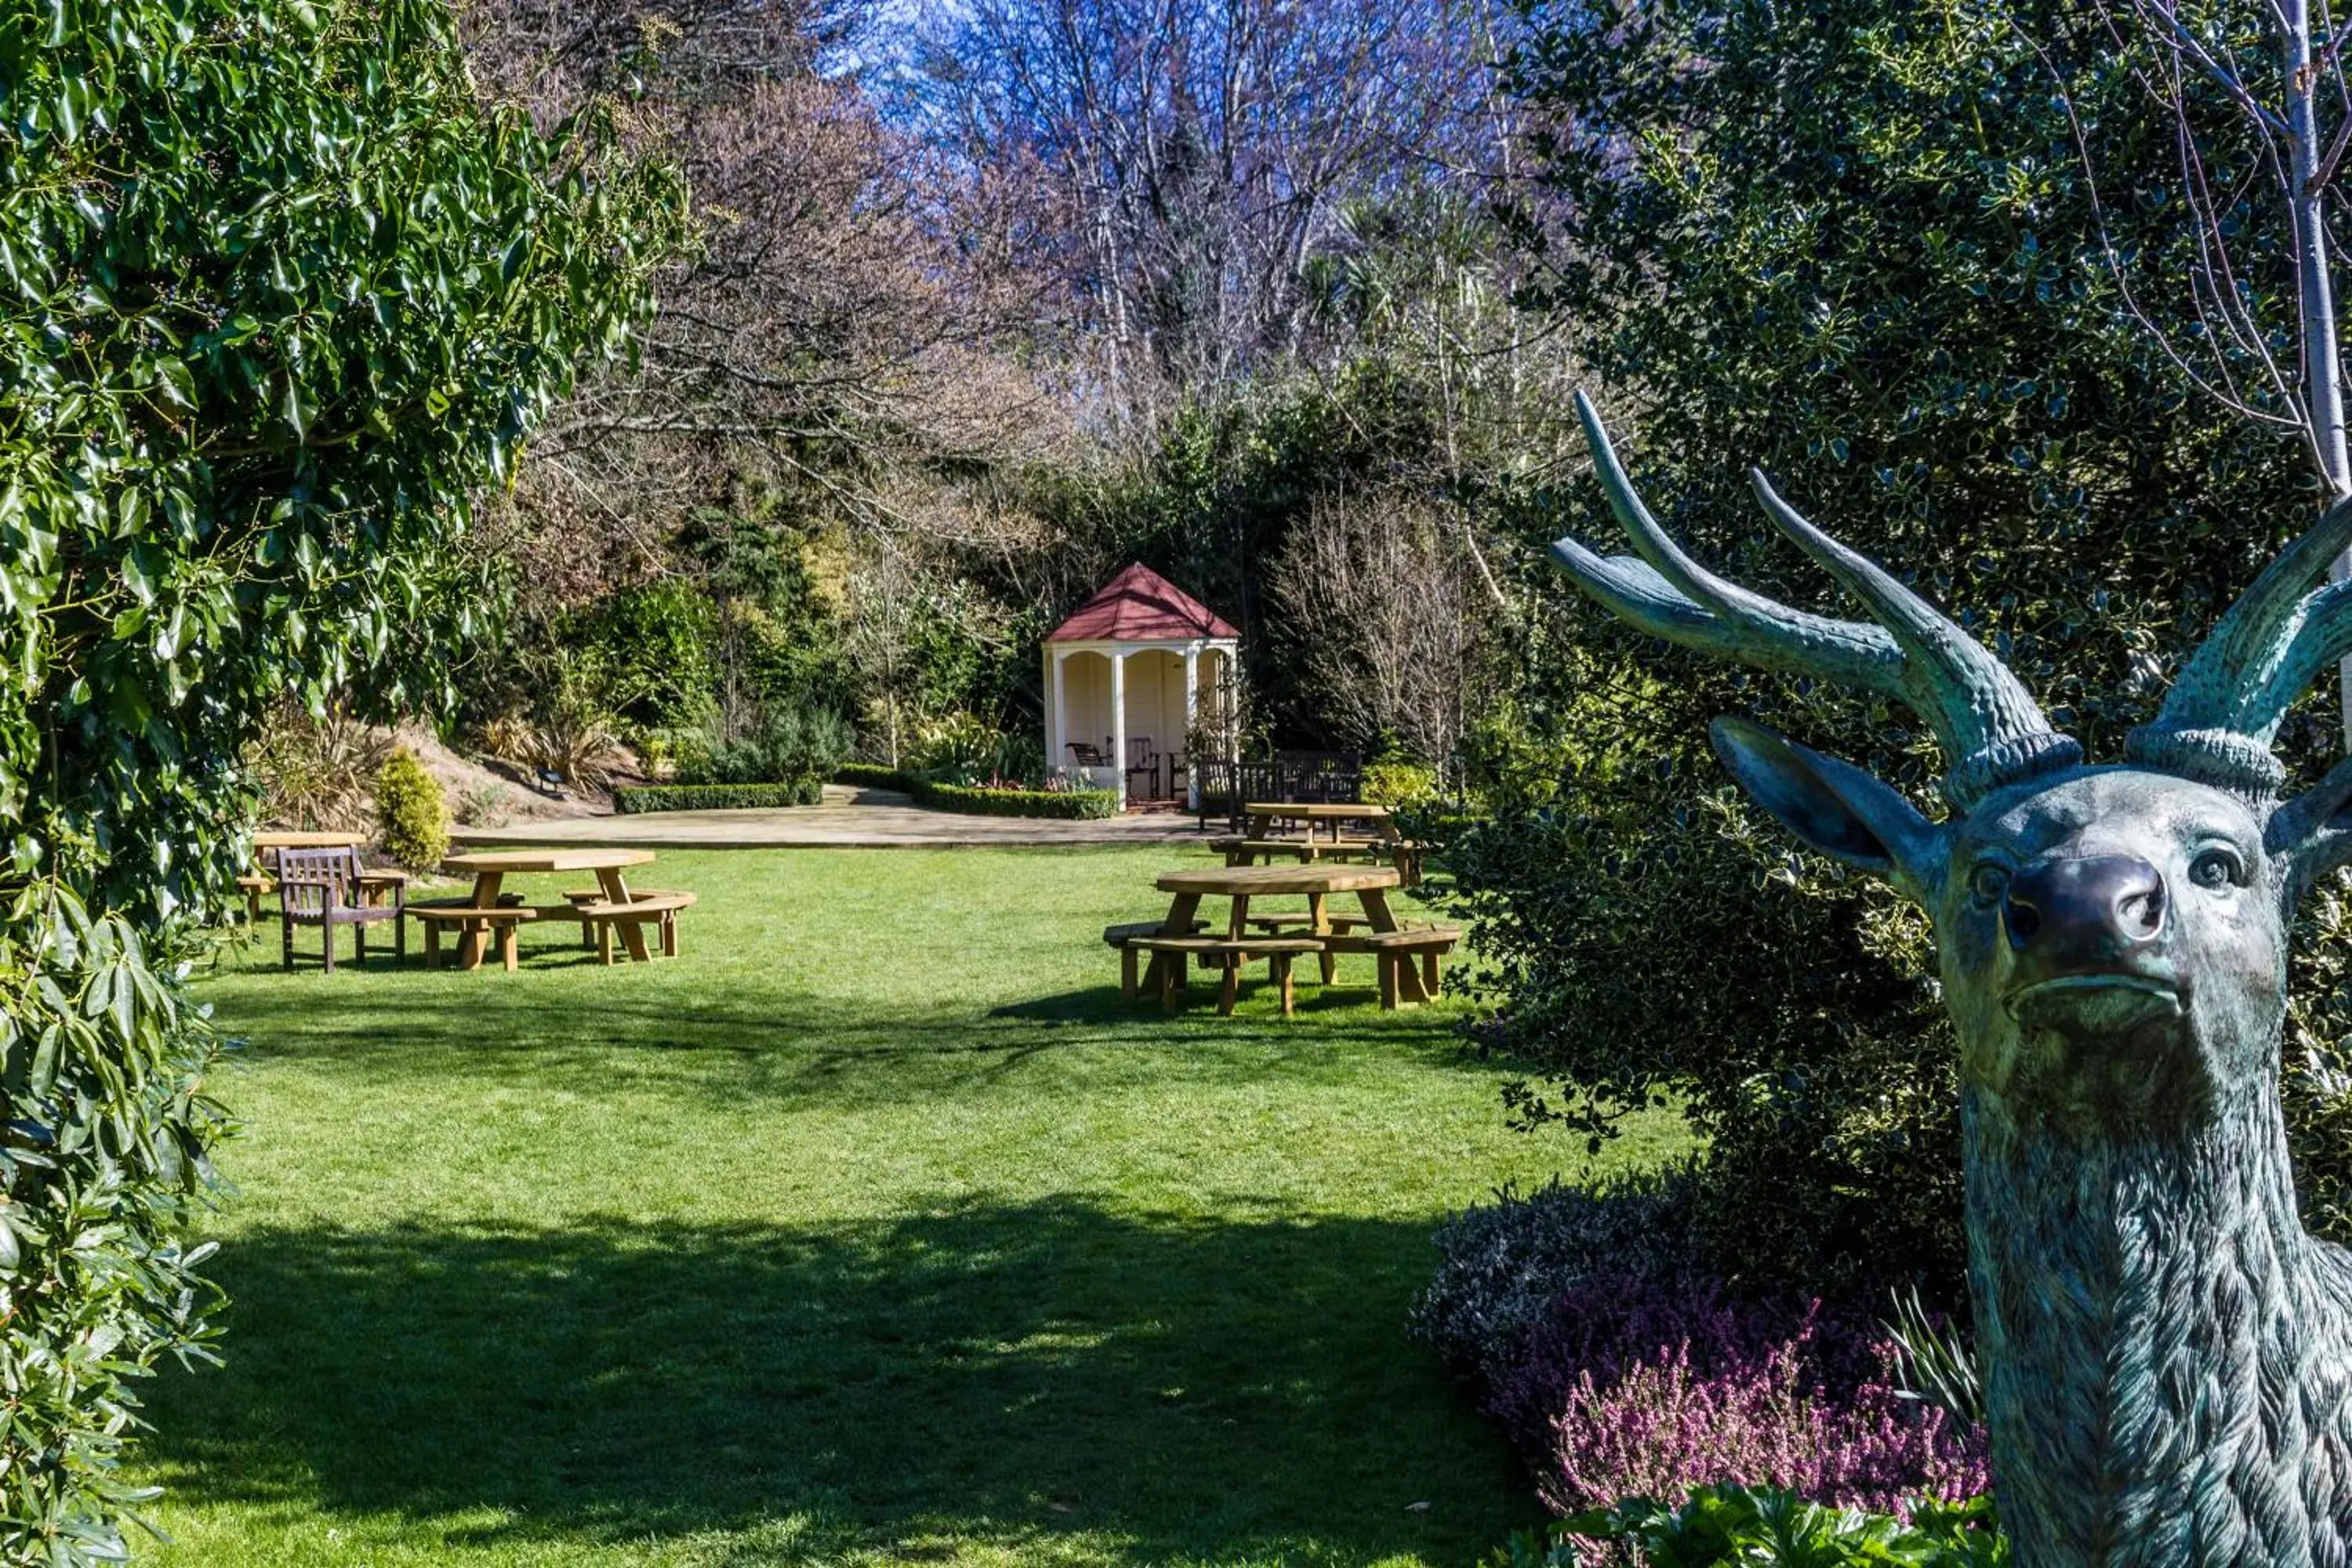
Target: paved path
849,818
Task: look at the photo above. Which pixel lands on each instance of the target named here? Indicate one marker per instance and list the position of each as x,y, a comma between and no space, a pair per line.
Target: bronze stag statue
2167,1352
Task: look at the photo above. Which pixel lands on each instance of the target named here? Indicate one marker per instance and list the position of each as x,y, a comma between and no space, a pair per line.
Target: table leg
1376,909
631,931
1182,913
473,933
1241,918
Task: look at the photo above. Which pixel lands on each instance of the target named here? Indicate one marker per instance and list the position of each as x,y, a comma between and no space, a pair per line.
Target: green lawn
873,1229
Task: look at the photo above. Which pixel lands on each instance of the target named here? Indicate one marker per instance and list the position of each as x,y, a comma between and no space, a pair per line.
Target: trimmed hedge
636,799
1070,804
1067,804
874,775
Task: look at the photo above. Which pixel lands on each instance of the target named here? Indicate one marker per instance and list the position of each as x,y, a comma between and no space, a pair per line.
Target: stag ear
2314,831
1833,805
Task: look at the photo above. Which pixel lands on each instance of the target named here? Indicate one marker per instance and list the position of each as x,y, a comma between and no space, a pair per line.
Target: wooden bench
600,915
491,924
1396,951
1168,954
1305,851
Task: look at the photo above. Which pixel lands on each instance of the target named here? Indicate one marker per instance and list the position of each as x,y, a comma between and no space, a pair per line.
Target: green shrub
412,819
1067,804
1397,782
873,775
1798,256
788,745
961,748
284,295
632,800
1757,1527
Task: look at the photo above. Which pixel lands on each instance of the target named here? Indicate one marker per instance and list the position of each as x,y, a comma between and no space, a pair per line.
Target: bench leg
1281,961
1232,988
1428,975
509,949
669,934
633,936
359,944
1172,979
1127,986
604,942
432,944
1388,963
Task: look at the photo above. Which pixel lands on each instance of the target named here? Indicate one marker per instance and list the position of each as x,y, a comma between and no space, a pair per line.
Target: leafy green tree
275,293
1853,242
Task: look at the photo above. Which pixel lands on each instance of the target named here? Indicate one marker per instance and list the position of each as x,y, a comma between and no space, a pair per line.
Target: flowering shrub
1631,1390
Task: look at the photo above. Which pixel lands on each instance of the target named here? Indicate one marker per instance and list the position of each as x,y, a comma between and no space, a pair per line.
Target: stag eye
1989,883
2217,868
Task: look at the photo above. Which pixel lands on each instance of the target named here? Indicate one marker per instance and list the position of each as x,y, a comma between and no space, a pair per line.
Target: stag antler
1990,725
2218,723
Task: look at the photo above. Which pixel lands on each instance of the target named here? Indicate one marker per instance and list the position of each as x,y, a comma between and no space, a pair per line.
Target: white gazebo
1139,664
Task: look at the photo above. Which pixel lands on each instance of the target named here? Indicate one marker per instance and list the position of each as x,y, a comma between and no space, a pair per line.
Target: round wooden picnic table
1241,883
491,867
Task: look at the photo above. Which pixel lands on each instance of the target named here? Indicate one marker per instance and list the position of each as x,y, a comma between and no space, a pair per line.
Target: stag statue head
2112,938
2168,1355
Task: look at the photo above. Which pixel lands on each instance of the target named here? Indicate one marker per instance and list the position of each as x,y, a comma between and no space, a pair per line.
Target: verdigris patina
2168,1354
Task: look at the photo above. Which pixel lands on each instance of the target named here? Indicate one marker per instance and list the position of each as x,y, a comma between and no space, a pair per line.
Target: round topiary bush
411,816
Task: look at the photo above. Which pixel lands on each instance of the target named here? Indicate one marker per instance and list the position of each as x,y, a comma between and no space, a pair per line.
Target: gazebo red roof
1140,606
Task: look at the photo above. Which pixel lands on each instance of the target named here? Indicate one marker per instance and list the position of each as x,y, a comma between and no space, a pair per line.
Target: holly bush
276,293
1859,243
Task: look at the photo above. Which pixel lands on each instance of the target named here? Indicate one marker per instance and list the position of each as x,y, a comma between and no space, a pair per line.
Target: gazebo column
1119,724
1192,724
1057,713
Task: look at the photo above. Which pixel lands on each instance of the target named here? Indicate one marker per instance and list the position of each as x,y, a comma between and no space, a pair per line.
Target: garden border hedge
1074,805
635,799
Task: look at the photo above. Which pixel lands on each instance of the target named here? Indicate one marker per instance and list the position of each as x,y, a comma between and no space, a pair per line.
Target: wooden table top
1249,881
306,838
1317,811
503,861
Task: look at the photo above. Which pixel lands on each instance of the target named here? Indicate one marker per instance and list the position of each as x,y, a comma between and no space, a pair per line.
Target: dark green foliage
1718,1527
275,294
799,746
1857,249
1070,804
412,819
875,776
663,634
632,799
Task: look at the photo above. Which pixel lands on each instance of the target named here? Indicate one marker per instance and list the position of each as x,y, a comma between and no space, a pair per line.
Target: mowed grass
875,1228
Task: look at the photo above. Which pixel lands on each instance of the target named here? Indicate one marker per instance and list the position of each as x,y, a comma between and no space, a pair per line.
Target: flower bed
632,800
1620,1370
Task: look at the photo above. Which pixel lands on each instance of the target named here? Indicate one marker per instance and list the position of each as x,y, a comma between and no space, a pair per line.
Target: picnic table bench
1406,956
493,915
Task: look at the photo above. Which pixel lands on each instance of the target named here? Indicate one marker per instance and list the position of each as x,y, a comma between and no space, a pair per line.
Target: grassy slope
873,1229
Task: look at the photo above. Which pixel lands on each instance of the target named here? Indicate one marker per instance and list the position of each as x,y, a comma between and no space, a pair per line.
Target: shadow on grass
1241,1390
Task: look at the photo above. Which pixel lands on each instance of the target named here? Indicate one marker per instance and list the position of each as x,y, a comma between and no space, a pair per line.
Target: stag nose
2086,911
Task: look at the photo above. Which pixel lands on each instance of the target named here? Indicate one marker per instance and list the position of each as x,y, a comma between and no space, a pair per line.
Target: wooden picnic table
489,869
1241,883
